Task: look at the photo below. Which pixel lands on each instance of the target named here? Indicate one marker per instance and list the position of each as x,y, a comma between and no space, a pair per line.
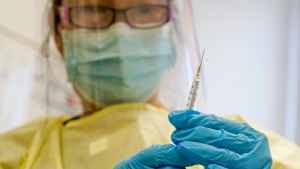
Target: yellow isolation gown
105,138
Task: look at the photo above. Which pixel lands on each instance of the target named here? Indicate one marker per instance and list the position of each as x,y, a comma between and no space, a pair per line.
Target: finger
190,118
203,154
159,156
237,143
214,166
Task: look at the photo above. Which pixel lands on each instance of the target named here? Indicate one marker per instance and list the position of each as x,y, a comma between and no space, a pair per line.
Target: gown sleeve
15,144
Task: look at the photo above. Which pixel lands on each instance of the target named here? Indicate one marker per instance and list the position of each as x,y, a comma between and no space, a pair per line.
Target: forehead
114,3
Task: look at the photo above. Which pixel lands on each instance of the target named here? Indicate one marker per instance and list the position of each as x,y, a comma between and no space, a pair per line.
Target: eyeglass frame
66,10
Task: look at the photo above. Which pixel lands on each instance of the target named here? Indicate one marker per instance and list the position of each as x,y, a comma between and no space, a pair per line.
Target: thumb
215,166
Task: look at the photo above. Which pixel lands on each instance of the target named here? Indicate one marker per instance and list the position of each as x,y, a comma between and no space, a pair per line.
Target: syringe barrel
193,93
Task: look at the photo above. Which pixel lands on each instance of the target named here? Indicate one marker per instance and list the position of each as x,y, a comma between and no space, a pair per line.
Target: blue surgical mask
119,64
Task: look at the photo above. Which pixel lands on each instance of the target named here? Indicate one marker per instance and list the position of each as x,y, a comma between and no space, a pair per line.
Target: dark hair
56,18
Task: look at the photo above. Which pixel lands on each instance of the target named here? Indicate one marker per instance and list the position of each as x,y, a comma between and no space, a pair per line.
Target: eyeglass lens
102,17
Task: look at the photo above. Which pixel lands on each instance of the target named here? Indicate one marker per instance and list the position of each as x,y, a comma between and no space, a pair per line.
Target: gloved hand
218,143
156,156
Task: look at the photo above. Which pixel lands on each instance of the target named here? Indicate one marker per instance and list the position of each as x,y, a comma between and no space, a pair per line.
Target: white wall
246,43
292,117
16,14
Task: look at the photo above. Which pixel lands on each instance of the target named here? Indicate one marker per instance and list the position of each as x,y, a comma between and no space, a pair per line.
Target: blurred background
251,68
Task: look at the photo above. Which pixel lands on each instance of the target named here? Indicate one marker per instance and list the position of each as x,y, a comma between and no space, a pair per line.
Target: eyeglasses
100,17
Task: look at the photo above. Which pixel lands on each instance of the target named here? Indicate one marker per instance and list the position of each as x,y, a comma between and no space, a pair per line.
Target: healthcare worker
117,53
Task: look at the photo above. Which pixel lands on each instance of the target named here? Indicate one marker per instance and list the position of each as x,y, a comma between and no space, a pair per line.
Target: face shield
110,53
124,52
130,57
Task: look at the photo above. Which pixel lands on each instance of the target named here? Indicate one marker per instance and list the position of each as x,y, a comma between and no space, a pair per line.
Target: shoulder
16,143
31,127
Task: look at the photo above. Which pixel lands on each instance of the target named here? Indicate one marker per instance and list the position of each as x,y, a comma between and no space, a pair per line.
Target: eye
95,9
145,9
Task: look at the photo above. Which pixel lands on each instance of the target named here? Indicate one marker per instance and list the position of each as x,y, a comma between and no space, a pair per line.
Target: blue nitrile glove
218,143
156,156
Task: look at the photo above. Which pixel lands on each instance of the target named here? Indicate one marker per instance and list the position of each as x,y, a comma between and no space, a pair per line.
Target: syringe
195,87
